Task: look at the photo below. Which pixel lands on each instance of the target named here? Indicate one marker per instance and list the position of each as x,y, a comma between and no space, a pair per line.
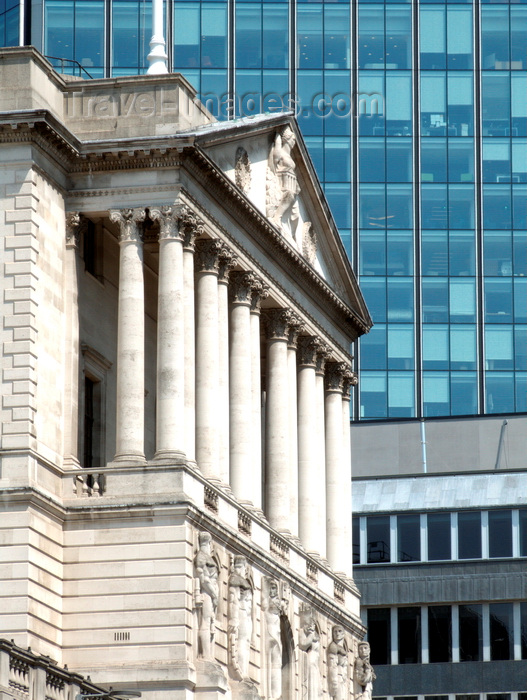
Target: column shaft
207,374
320,476
227,262
130,408
241,435
170,377
349,379
189,233
259,292
294,330
308,461
277,420
338,504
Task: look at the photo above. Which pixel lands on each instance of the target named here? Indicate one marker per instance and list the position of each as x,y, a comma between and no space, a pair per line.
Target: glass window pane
379,635
373,395
378,538
464,393
500,533
439,633
408,538
501,631
523,632
436,393
356,540
470,633
409,636
439,536
433,37
469,535
435,300
523,533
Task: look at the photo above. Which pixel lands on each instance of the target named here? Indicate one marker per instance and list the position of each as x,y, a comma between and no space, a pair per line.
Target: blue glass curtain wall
9,22
415,115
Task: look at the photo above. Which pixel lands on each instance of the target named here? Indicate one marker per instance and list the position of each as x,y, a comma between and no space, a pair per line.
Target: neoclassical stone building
175,480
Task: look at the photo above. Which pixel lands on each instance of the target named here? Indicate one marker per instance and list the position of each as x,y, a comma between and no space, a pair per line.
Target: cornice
265,233
214,225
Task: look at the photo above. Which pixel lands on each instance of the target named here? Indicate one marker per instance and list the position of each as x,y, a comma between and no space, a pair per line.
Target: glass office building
416,119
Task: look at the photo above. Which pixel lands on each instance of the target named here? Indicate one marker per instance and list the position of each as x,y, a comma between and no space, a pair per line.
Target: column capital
334,377
259,292
241,287
207,258
191,227
308,346
323,352
168,217
228,261
350,379
128,220
75,223
295,328
277,322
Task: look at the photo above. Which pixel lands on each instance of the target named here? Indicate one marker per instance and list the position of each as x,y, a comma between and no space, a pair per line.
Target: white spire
157,56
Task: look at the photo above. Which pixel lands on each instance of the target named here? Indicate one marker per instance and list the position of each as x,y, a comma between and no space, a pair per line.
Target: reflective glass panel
501,631
378,538
408,538
469,535
439,633
500,533
438,536
379,635
470,633
409,635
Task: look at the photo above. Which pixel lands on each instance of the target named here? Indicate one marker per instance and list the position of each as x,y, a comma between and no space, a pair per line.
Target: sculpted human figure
206,595
240,618
337,665
364,674
273,606
309,641
282,165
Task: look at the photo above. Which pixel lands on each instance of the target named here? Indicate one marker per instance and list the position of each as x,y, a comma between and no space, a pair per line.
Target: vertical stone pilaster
241,444
309,464
294,330
259,292
227,262
338,479
207,261
130,405
170,377
74,227
277,449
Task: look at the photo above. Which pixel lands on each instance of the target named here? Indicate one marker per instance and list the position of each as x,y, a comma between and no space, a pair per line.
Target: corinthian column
241,444
130,419
227,262
294,329
277,420
259,292
309,466
320,513
338,482
191,227
207,262
170,392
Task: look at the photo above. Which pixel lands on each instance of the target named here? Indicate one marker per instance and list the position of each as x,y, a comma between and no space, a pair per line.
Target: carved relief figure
309,641
273,606
364,674
240,618
206,591
282,182
338,665
242,169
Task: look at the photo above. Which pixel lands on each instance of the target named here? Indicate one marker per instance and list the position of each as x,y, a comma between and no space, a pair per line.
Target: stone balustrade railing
26,676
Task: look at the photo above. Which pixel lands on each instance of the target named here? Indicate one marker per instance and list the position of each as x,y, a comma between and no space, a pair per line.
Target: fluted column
130,408
190,227
309,466
71,451
207,260
227,262
170,376
320,513
241,445
259,292
277,420
294,329
338,503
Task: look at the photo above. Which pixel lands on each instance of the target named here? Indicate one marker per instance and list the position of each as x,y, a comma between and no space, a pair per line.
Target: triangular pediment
266,158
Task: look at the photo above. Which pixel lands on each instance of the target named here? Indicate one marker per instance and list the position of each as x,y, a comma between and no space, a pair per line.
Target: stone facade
163,344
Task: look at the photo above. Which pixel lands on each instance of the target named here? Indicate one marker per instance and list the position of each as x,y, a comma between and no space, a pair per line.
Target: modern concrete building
175,476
